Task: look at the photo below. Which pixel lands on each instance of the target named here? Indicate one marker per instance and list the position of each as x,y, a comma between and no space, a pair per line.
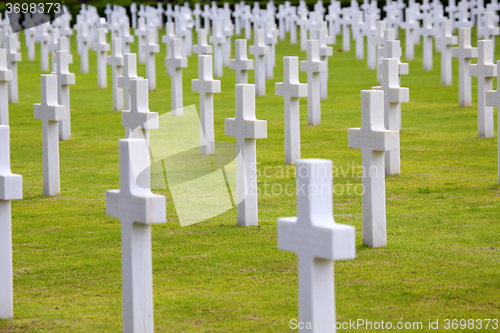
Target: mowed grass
443,254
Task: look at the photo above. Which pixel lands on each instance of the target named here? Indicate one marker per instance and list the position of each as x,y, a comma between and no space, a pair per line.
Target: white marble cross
206,86
464,52
313,66
54,46
394,95
137,208
202,47
489,30
13,57
64,80
346,29
217,39
101,47
175,63
138,120
85,41
133,12
44,38
427,32
49,111
485,70
150,49
373,140
281,16
291,90
5,76
411,26
259,50
29,36
317,240
130,73
446,41
126,38
141,33
115,60
358,25
167,39
271,40
370,31
241,64
246,129
11,188
197,20
64,46
325,51
493,99
383,35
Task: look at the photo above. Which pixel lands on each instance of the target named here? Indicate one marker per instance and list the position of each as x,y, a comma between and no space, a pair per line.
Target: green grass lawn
442,260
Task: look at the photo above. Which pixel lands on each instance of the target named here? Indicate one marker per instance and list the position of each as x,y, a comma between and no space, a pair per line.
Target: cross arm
11,186
114,61
395,94
6,75
214,86
489,70
66,79
380,140
145,209
291,90
332,241
49,112
313,67
404,68
252,129
148,120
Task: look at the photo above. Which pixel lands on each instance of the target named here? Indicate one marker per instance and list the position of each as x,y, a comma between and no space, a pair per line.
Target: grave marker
101,48
246,129
64,80
484,70
138,120
325,51
137,208
206,86
217,39
241,64
317,240
291,90
313,66
446,41
175,63
427,32
373,140
394,95
5,76
13,57
115,60
202,47
11,188
84,41
464,52
493,100
150,49
130,73
50,112
259,50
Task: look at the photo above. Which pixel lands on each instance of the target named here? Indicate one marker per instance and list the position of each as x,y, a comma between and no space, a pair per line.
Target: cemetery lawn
442,259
